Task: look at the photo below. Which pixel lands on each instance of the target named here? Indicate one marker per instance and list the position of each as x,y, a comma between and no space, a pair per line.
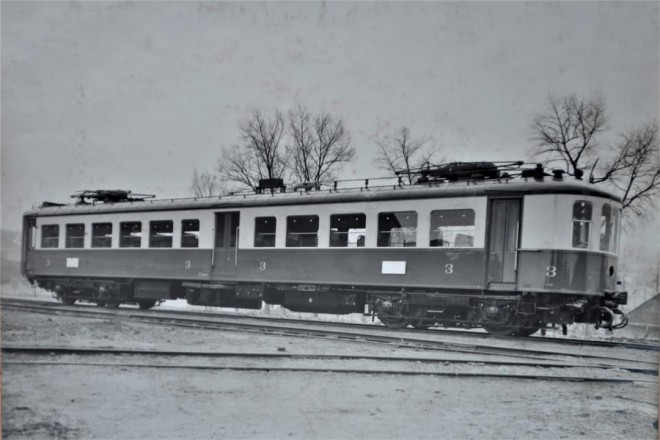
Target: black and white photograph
329,219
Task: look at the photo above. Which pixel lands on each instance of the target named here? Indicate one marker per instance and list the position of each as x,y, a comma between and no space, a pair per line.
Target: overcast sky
137,95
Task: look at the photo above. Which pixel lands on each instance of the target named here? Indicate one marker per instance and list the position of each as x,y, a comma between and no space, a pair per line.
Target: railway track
476,334
455,332
374,335
268,359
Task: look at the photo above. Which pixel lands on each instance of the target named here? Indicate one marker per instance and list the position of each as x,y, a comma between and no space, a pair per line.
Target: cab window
609,226
582,211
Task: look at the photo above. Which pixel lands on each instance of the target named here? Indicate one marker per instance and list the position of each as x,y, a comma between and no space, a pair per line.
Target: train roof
364,193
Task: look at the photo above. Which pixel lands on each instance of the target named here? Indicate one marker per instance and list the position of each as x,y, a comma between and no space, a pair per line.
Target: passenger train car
512,250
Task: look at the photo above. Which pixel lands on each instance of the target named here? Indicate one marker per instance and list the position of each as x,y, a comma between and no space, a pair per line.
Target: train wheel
394,314
394,323
146,303
510,330
112,304
418,319
527,331
68,301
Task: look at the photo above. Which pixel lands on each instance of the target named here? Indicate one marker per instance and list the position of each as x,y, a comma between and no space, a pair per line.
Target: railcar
503,247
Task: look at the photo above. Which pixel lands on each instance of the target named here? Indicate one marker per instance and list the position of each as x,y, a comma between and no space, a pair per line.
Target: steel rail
390,339
60,350
368,372
470,334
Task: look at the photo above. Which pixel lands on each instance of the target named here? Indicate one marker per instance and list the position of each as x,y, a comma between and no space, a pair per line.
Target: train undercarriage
511,313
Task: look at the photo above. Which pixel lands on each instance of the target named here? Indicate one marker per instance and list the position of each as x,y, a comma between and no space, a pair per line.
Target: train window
189,233
160,233
130,234
264,231
348,230
397,229
452,228
50,236
302,231
616,216
101,235
75,235
581,224
609,224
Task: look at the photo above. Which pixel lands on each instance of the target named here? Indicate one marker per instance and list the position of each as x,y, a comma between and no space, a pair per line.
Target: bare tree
566,130
259,155
319,145
635,169
236,164
401,153
205,184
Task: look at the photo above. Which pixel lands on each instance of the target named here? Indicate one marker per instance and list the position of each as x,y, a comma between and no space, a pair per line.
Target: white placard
71,262
393,267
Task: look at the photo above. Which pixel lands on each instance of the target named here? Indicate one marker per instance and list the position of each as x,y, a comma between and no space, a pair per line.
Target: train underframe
501,313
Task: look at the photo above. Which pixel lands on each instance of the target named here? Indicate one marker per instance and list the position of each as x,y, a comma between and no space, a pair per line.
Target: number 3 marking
262,265
187,264
551,271
449,268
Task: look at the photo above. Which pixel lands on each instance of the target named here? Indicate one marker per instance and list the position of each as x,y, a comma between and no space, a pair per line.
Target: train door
28,242
503,240
225,251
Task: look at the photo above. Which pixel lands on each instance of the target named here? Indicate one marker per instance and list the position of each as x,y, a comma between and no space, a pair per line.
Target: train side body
460,253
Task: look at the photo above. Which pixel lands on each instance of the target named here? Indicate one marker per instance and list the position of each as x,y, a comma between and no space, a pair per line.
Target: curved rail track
267,360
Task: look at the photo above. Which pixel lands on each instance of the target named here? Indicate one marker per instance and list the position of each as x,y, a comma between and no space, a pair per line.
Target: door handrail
213,255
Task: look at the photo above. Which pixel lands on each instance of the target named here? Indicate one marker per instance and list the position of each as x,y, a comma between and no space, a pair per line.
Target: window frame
452,245
610,235
94,243
74,241
259,241
289,219
187,239
404,230
155,239
581,226
347,243
55,237
123,239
